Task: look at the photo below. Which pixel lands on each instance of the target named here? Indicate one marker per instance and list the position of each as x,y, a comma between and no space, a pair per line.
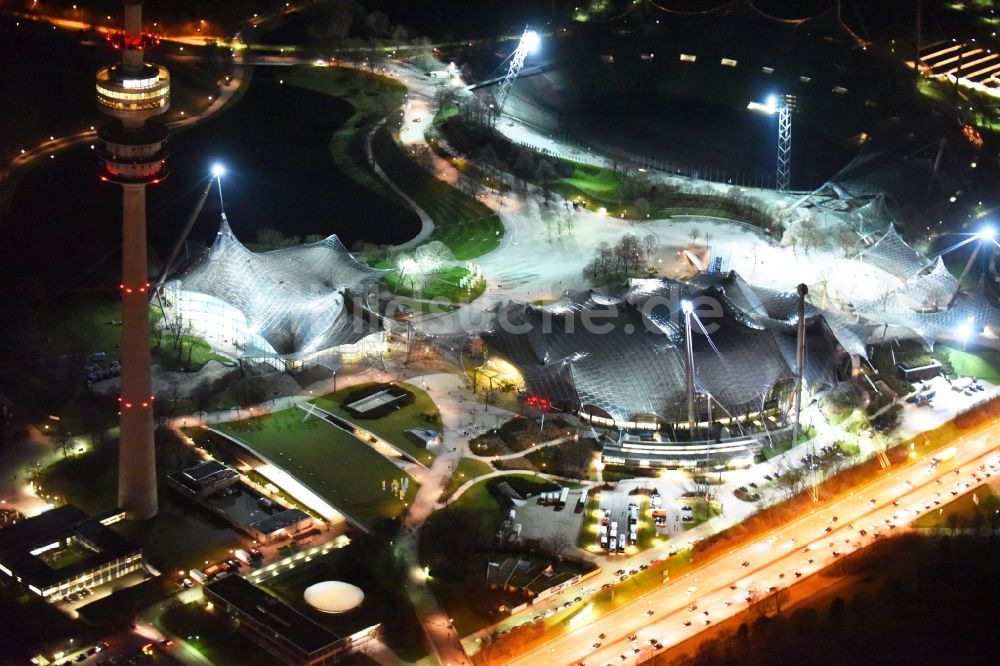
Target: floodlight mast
987,234
688,308
783,105
528,43
784,166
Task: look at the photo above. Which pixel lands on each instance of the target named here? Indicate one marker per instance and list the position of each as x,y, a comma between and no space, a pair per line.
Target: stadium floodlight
987,234
529,43
218,171
964,331
783,105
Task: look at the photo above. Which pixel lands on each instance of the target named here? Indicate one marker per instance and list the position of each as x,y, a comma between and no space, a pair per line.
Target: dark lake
64,229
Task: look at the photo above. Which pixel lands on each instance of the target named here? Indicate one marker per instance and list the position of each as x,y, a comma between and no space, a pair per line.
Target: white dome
332,596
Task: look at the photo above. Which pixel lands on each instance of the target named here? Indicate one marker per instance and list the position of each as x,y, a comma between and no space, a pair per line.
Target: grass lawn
442,285
392,426
88,326
590,527
345,471
468,468
806,433
701,510
90,482
597,186
469,228
647,528
190,354
459,583
980,363
962,511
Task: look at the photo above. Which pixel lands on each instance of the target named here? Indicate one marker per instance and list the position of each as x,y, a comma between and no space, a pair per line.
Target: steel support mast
528,40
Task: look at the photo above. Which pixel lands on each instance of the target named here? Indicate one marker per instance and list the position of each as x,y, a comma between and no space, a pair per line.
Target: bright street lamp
218,171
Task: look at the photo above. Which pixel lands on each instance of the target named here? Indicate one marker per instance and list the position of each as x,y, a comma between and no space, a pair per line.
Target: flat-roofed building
205,478
279,628
63,551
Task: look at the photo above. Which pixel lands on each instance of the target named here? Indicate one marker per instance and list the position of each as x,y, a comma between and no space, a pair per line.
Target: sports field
421,413
344,471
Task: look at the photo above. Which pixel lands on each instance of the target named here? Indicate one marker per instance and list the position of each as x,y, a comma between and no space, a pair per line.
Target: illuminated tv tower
133,154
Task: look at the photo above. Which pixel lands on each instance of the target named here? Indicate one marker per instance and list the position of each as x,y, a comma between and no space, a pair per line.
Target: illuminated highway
719,589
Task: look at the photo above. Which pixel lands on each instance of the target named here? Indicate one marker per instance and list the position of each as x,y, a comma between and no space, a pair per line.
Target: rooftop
98,545
272,613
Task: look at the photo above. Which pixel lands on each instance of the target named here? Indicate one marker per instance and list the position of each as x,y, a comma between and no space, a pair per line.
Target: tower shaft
136,455
133,154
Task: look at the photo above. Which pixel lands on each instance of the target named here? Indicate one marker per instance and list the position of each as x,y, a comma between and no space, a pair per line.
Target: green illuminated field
336,466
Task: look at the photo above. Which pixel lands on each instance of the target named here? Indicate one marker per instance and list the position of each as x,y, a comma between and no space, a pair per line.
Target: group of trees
919,597
624,259
347,19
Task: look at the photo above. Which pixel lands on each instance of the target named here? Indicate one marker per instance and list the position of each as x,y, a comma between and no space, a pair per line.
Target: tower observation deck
133,154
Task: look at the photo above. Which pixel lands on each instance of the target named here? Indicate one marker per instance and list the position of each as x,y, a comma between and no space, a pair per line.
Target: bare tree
649,244
524,168
557,544
780,598
545,175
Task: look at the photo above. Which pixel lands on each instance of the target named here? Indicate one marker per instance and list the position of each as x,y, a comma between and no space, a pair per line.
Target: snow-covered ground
546,246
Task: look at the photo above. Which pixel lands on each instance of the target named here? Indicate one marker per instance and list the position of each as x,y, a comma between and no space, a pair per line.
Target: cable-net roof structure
932,290
298,303
893,255
625,359
968,315
871,219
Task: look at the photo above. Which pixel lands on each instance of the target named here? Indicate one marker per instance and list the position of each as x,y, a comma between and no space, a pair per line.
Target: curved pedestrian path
520,454
511,472
426,223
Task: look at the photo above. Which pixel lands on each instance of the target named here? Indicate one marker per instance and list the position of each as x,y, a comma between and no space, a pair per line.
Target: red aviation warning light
143,41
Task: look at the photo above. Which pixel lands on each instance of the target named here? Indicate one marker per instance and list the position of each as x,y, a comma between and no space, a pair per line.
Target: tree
641,208
376,25
779,598
556,544
524,168
545,175
952,521
649,244
203,395
693,235
628,254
